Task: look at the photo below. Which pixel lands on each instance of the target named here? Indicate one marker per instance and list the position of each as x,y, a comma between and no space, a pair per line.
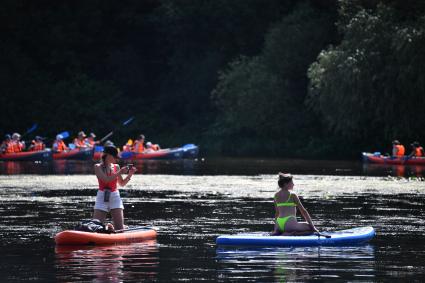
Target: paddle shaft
133,229
322,235
30,130
125,123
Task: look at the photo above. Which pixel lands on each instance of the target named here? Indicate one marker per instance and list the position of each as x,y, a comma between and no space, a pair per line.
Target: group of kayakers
80,142
400,151
14,144
140,146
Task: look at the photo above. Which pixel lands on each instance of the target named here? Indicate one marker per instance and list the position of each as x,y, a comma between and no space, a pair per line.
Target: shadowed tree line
243,77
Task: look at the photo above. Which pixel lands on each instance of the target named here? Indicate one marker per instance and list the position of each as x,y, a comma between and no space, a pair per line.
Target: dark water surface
191,203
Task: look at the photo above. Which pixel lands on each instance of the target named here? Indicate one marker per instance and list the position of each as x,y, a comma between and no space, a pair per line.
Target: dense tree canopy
243,77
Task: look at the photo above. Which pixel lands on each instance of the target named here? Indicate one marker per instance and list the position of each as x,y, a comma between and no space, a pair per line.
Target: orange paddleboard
71,237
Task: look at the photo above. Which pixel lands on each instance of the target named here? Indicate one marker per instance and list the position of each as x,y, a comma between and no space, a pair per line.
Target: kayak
74,154
190,151
72,237
42,155
343,237
381,159
168,153
98,151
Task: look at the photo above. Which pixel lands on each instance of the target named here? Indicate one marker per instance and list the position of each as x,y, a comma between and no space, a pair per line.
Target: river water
190,203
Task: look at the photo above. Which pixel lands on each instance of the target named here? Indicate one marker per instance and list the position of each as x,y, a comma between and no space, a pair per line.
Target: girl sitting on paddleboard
286,204
108,198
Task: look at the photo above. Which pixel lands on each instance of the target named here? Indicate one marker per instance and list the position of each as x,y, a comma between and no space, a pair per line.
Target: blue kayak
343,237
190,151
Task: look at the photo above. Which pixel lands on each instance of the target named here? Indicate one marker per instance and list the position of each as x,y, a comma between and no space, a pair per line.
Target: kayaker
417,150
286,204
37,144
398,149
152,147
90,142
80,140
139,144
7,146
59,145
109,176
128,146
17,144
108,143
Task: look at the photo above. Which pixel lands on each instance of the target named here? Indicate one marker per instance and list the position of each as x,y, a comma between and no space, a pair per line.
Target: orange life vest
37,146
419,151
59,146
400,150
17,146
138,147
8,147
79,143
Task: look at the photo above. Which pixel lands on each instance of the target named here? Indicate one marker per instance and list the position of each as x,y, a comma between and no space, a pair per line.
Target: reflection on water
115,263
220,166
290,264
66,167
412,171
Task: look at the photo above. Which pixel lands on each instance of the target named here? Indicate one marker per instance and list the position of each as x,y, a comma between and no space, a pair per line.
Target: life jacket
138,147
400,150
155,147
59,146
90,142
419,151
17,146
79,143
37,146
110,185
8,147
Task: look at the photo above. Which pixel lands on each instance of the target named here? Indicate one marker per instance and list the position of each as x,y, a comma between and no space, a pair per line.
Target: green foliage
371,85
262,98
240,77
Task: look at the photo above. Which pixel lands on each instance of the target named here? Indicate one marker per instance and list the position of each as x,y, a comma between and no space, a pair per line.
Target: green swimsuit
281,221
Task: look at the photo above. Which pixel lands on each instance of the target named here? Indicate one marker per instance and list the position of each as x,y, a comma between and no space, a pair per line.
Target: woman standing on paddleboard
108,198
286,204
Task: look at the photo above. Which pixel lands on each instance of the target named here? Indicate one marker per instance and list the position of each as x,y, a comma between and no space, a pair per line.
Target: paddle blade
130,142
32,129
98,148
72,146
128,121
64,134
126,154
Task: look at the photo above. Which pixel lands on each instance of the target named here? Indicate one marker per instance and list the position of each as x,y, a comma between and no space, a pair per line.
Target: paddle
134,229
64,134
322,235
30,130
125,123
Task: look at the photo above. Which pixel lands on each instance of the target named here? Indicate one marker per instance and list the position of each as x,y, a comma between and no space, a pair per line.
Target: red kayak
75,154
71,237
381,159
42,155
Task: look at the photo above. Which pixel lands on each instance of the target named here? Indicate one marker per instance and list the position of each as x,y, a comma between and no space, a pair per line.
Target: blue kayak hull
343,237
190,151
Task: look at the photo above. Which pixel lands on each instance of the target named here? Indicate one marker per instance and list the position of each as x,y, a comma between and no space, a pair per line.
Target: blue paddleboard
343,237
